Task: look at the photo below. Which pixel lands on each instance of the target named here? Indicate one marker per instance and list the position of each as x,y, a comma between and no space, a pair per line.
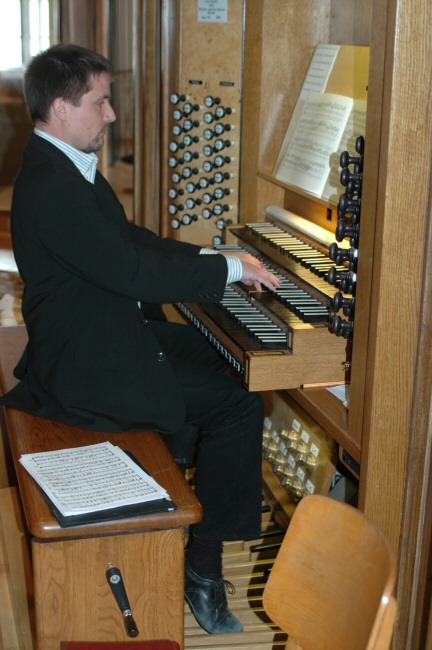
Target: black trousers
229,420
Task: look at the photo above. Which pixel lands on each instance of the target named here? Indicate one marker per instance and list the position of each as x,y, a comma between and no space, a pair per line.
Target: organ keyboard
282,339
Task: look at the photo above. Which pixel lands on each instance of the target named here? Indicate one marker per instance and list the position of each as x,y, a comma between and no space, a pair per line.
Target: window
24,31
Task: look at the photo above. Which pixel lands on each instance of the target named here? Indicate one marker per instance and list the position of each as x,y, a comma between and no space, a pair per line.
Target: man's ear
59,108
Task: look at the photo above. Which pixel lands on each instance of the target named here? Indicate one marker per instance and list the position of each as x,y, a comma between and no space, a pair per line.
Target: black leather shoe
208,603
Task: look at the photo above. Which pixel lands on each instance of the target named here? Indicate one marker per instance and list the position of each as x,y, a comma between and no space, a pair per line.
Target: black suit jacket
93,359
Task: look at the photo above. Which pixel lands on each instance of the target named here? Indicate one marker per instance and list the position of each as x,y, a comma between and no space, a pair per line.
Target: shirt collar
85,162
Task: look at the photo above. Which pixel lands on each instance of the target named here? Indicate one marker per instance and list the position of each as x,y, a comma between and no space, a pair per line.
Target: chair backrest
332,584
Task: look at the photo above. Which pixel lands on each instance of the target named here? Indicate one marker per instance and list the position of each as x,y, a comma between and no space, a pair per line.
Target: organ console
302,333
282,339
264,49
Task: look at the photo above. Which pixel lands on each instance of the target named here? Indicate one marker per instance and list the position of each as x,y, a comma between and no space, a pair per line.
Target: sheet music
319,70
88,479
317,136
342,392
355,126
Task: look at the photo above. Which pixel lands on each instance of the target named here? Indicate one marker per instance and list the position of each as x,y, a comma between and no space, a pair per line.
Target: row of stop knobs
348,227
200,187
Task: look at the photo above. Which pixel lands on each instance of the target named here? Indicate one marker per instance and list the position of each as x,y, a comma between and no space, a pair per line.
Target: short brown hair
60,71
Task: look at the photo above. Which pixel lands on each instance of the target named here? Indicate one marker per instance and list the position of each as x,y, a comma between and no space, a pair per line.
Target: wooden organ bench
72,598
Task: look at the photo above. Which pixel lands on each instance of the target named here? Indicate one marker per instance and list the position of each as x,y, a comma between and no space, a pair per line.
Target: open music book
95,483
329,115
328,125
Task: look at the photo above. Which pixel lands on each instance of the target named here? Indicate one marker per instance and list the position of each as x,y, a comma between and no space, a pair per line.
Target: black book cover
110,514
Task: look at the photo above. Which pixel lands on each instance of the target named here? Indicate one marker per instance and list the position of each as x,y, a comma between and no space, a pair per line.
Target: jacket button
161,356
144,322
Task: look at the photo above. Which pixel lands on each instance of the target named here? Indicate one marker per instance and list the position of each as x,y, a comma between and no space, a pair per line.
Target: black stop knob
342,327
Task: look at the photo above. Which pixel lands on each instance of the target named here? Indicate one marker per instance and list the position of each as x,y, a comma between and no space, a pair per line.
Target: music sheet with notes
316,137
92,478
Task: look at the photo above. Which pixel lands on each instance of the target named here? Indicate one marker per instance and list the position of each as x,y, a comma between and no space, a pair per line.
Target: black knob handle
188,156
347,176
348,206
188,139
221,144
219,177
116,583
354,188
176,98
348,278
342,302
220,208
342,327
210,101
220,128
188,108
360,145
346,160
188,218
221,111
346,228
219,161
175,224
173,192
205,182
340,255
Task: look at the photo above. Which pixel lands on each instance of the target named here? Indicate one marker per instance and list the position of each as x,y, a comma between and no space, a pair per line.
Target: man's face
87,123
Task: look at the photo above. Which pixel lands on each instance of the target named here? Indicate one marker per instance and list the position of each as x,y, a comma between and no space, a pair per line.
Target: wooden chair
331,587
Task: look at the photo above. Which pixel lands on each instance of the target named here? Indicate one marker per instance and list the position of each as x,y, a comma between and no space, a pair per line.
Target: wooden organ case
253,58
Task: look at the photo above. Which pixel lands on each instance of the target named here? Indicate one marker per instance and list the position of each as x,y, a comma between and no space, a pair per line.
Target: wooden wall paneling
415,564
290,35
170,56
250,123
147,113
402,213
351,22
390,424
101,14
369,215
276,60
77,22
275,65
